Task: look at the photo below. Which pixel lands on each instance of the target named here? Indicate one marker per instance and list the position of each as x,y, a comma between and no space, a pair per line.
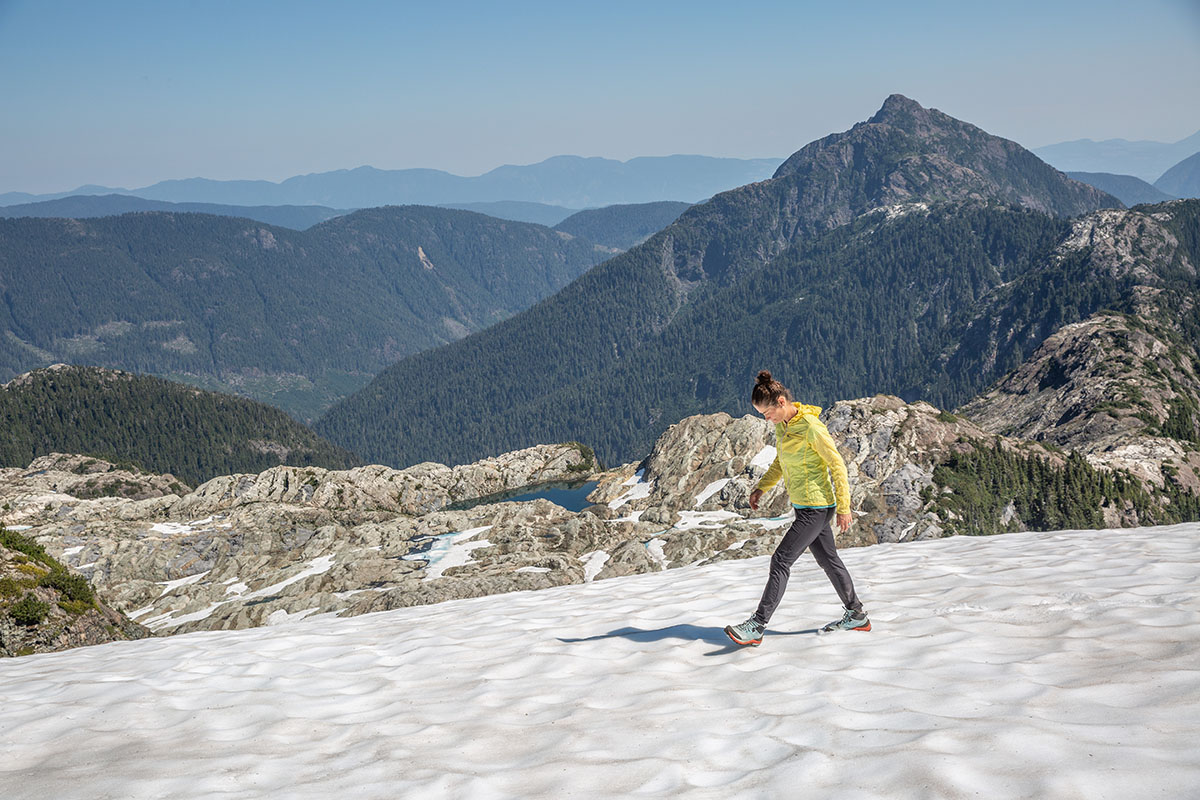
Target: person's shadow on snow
685,632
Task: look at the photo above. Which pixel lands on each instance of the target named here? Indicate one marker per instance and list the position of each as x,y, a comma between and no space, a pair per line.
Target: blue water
571,496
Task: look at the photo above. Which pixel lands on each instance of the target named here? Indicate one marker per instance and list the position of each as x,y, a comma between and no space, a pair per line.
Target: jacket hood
801,410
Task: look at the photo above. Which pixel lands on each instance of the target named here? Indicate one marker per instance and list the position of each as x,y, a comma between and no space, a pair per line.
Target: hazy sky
124,94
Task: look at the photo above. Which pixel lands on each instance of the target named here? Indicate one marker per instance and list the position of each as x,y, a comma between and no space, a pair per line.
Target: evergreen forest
932,305
152,424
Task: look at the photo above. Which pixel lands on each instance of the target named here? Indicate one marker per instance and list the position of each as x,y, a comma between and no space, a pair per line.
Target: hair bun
764,376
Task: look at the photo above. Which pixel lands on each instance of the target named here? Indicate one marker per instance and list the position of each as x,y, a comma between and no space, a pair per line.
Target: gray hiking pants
811,529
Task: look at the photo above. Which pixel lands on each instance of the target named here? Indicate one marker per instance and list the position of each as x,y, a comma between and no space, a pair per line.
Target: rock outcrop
39,615
288,543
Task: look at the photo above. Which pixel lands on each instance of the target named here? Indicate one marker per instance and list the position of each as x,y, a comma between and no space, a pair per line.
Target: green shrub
9,587
76,607
589,464
22,544
28,610
73,587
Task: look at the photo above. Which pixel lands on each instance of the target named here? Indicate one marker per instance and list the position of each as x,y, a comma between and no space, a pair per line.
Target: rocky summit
290,542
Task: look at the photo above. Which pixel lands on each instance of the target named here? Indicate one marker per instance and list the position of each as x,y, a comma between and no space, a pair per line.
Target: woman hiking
805,458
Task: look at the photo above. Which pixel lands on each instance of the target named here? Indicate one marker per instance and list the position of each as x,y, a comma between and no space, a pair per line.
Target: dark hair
767,391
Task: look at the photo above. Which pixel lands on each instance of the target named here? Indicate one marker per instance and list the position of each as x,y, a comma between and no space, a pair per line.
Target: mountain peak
896,108
907,153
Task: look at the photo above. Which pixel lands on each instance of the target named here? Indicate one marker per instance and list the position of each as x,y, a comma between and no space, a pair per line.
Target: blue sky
128,93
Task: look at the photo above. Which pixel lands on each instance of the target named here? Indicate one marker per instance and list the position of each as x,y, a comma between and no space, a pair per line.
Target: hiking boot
749,632
850,621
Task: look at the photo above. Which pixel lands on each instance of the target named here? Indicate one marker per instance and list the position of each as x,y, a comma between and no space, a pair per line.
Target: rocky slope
1120,388
44,608
249,550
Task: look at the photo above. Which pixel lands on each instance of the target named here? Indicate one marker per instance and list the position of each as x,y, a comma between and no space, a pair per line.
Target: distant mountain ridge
622,226
569,181
1144,159
1129,190
1183,179
765,274
86,206
518,211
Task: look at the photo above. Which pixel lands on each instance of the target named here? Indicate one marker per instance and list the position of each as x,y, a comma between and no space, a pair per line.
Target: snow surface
1061,665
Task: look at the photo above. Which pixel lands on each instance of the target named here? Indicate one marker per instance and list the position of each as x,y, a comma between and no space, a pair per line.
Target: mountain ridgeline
1183,179
1129,190
569,181
622,226
86,206
154,424
856,269
296,318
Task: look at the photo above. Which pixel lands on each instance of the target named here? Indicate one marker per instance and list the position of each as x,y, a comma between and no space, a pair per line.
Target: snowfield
1060,665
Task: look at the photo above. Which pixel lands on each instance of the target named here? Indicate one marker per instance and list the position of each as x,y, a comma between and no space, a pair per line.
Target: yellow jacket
805,457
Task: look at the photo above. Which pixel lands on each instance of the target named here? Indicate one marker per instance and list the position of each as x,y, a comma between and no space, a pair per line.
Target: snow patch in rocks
169,586
704,519
638,488
765,458
317,566
593,563
710,490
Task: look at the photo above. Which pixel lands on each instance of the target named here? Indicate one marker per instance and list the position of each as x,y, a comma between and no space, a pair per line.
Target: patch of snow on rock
710,490
638,489
593,562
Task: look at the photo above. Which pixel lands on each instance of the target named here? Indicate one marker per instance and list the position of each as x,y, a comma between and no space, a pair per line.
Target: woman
805,457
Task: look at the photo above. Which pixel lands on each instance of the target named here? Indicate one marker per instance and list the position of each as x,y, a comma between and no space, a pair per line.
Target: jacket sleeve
771,476
822,442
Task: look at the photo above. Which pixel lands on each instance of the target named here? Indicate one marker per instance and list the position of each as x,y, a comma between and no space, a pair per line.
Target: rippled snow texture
1062,665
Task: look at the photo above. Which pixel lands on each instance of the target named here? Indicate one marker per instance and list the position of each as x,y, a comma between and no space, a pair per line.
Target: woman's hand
755,496
843,521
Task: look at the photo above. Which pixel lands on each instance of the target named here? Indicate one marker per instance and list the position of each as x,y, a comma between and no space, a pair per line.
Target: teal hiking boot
850,621
749,632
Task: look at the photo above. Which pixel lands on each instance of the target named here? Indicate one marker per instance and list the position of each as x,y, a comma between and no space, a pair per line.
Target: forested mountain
622,226
152,423
296,318
850,271
1129,190
1183,179
84,206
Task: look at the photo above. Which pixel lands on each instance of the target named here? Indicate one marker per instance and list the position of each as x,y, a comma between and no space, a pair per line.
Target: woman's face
775,412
